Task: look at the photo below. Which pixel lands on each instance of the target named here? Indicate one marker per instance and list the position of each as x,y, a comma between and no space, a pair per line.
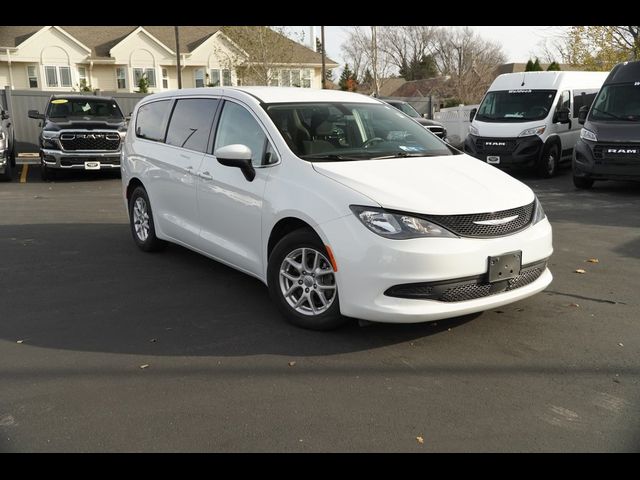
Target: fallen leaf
580,270
448,329
153,340
573,305
593,260
146,365
20,341
420,440
519,309
499,311
615,380
292,364
620,344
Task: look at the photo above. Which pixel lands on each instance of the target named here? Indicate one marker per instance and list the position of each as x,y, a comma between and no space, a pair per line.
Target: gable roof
101,39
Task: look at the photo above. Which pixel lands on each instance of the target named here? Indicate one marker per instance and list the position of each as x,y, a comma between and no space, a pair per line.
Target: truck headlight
473,130
533,131
588,135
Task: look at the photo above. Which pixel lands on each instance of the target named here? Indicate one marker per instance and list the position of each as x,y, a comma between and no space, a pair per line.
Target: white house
113,58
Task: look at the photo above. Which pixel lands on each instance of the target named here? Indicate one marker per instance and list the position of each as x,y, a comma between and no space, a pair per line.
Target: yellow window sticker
59,100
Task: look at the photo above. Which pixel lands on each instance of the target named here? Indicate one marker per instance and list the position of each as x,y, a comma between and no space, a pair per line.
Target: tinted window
82,107
581,99
519,105
564,103
237,125
617,102
151,121
190,123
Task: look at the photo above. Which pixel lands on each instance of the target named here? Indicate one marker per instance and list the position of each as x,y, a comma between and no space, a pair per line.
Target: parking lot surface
106,348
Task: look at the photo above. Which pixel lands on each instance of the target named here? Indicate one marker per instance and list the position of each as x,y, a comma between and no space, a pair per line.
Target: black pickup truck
83,132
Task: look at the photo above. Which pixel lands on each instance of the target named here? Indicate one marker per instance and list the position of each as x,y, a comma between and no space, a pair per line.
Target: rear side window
151,121
190,123
581,99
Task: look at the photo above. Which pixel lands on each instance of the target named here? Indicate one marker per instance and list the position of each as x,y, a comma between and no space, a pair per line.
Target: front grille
617,152
495,145
464,226
109,141
461,290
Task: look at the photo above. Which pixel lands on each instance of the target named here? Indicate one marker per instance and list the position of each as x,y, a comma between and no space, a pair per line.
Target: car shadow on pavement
87,287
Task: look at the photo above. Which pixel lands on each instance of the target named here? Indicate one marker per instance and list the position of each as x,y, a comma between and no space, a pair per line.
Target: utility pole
178,58
324,68
374,47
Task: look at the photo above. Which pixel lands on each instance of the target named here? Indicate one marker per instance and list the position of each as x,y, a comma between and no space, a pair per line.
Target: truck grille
495,145
480,224
617,152
461,290
74,141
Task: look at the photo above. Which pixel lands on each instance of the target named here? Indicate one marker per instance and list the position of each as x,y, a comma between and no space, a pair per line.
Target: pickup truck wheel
141,222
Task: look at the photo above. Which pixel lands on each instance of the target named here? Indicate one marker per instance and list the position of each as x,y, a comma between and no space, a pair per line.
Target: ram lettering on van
622,150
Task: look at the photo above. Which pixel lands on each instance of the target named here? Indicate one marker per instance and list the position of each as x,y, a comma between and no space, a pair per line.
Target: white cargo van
530,119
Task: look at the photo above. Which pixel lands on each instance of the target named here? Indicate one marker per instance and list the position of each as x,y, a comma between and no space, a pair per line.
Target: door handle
189,170
205,175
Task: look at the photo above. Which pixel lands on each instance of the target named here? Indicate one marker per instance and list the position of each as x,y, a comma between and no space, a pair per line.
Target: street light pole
324,68
178,58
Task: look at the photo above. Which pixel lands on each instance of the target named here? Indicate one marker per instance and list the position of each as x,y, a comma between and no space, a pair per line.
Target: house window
165,78
214,79
150,73
306,78
285,78
273,81
198,75
295,78
82,77
58,76
226,78
121,77
32,73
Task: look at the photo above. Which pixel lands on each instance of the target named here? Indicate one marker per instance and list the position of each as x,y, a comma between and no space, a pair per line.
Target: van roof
272,94
548,80
624,73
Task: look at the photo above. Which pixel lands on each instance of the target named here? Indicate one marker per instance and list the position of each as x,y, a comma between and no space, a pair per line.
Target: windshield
617,102
352,131
515,105
82,107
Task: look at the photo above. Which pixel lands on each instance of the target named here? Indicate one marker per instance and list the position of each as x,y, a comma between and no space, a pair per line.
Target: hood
615,132
505,129
445,185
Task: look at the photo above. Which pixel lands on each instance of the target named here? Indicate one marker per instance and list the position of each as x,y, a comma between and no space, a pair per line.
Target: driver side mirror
4,115
582,114
238,156
562,115
35,114
472,114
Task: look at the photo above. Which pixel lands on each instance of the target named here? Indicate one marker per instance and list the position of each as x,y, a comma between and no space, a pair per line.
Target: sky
518,43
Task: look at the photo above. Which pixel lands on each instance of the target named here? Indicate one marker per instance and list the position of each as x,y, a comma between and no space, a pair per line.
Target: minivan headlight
538,212
533,131
398,226
473,130
588,135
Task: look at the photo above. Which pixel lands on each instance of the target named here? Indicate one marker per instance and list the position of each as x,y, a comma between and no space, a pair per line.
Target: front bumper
586,164
516,152
369,265
76,160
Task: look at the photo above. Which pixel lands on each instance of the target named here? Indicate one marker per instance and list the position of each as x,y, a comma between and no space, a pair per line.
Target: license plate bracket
505,266
92,165
493,159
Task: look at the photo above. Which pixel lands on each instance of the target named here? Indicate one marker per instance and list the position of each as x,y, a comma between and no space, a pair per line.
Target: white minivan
341,204
530,119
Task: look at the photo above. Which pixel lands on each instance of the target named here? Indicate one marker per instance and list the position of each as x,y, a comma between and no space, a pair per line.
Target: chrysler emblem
497,221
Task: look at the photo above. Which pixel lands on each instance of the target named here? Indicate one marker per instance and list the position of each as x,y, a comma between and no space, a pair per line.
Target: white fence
456,121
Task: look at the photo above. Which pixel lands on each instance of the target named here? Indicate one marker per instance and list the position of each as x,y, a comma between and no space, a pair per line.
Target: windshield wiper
329,156
607,113
404,154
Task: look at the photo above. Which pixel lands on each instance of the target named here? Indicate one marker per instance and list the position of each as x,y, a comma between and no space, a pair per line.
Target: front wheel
302,282
582,182
548,164
141,222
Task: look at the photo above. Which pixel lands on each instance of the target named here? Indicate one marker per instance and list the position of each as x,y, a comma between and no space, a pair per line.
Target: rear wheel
302,282
582,182
548,163
141,222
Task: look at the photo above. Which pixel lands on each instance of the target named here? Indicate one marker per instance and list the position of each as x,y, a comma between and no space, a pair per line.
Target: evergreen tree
529,66
553,67
536,66
143,84
367,79
346,75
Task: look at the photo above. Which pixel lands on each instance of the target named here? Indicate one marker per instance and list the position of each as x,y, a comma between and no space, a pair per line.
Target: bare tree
267,47
358,51
406,46
468,59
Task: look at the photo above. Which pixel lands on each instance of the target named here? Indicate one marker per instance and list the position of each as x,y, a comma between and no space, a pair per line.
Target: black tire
150,243
331,318
548,163
7,176
582,183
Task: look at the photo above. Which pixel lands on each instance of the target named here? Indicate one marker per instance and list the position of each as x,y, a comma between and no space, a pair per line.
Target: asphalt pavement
106,348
